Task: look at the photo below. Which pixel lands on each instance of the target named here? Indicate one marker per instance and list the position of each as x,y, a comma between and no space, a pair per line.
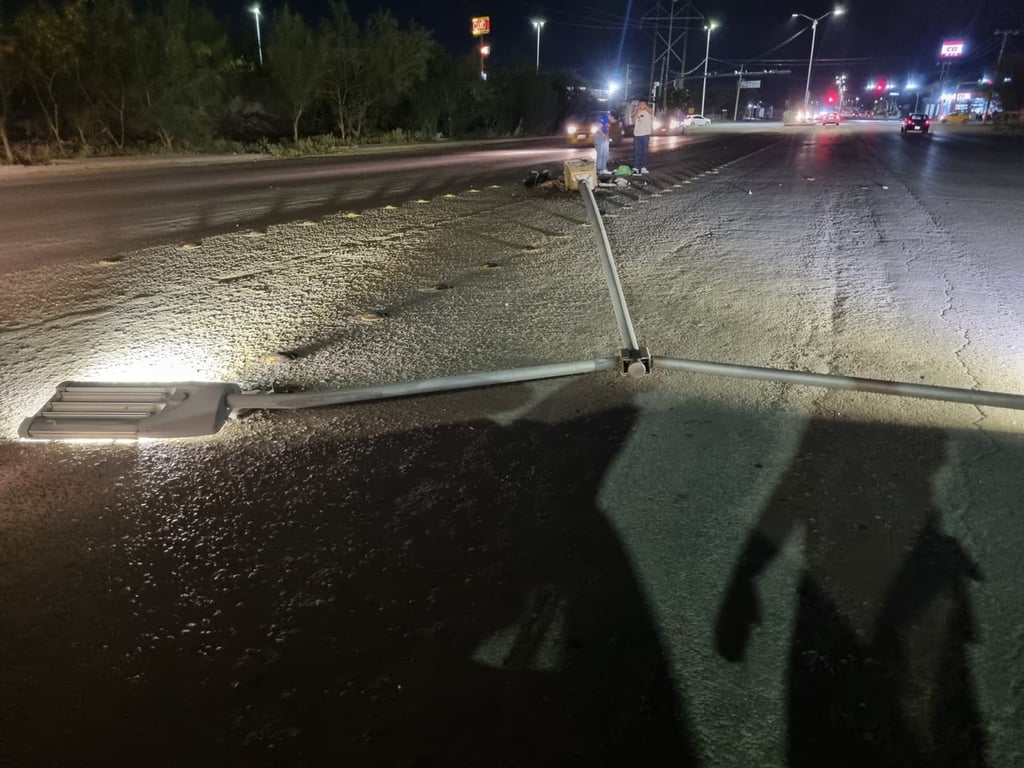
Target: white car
696,121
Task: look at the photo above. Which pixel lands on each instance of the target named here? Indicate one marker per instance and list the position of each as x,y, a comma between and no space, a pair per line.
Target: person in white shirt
602,140
643,124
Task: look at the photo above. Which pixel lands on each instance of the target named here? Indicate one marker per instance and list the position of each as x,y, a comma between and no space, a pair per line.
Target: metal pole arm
611,275
848,383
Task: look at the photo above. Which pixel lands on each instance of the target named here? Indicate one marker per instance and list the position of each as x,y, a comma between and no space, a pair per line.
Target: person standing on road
643,124
602,140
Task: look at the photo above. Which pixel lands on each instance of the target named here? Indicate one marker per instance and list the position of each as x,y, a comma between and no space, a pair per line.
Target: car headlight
657,125
571,128
594,128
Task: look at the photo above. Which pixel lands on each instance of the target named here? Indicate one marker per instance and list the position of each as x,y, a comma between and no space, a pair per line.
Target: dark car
915,123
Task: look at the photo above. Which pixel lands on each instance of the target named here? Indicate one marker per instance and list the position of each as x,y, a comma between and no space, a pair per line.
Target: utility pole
1002,47
1005,33
943,71
739,86
665,66
681,17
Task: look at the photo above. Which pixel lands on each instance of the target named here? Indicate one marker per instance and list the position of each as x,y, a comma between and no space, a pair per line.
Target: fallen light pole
88,410
848,383
91,410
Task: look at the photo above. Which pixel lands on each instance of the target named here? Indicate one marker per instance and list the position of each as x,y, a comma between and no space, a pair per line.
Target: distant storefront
973,98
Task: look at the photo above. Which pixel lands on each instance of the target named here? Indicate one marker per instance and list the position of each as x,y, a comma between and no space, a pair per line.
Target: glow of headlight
164,361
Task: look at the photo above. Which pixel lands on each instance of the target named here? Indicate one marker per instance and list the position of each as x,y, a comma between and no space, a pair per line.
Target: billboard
481,25
951,49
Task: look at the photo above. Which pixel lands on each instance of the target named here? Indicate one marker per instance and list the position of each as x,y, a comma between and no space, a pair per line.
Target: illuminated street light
538,25
912,86
707,52
814,31
485,51
259,42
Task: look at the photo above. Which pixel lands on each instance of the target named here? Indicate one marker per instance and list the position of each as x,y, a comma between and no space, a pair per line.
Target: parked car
830,118
696,120
957,117
581,130
915,123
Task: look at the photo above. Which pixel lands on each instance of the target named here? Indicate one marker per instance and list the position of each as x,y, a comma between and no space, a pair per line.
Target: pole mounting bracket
635,362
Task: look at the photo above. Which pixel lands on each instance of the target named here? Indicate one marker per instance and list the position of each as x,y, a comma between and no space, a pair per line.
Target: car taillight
927,122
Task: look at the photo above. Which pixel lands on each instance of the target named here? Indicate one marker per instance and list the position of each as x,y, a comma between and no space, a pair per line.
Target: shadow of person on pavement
444,595
879,669
497,621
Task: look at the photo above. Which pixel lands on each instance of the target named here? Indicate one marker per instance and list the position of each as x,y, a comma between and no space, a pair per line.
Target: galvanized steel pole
250,402
848,383
611,275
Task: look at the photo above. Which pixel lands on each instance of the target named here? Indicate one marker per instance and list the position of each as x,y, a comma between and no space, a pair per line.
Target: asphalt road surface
90,209
677,569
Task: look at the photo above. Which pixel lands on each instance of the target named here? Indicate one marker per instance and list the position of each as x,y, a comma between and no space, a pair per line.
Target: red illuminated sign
952,49
481,25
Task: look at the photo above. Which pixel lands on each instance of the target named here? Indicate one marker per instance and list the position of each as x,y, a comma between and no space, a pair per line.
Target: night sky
894,38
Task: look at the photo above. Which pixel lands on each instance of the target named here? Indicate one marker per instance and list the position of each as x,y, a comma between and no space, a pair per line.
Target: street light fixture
259,42
917,93
841,87
485,51
707,52
538,25
837,11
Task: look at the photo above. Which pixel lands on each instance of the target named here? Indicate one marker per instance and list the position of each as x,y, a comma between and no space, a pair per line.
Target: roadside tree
183,57
295,61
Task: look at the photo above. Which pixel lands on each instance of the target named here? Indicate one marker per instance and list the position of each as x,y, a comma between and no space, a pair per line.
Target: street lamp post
259,42
814,32
707,53
999,63
538,25
912,86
